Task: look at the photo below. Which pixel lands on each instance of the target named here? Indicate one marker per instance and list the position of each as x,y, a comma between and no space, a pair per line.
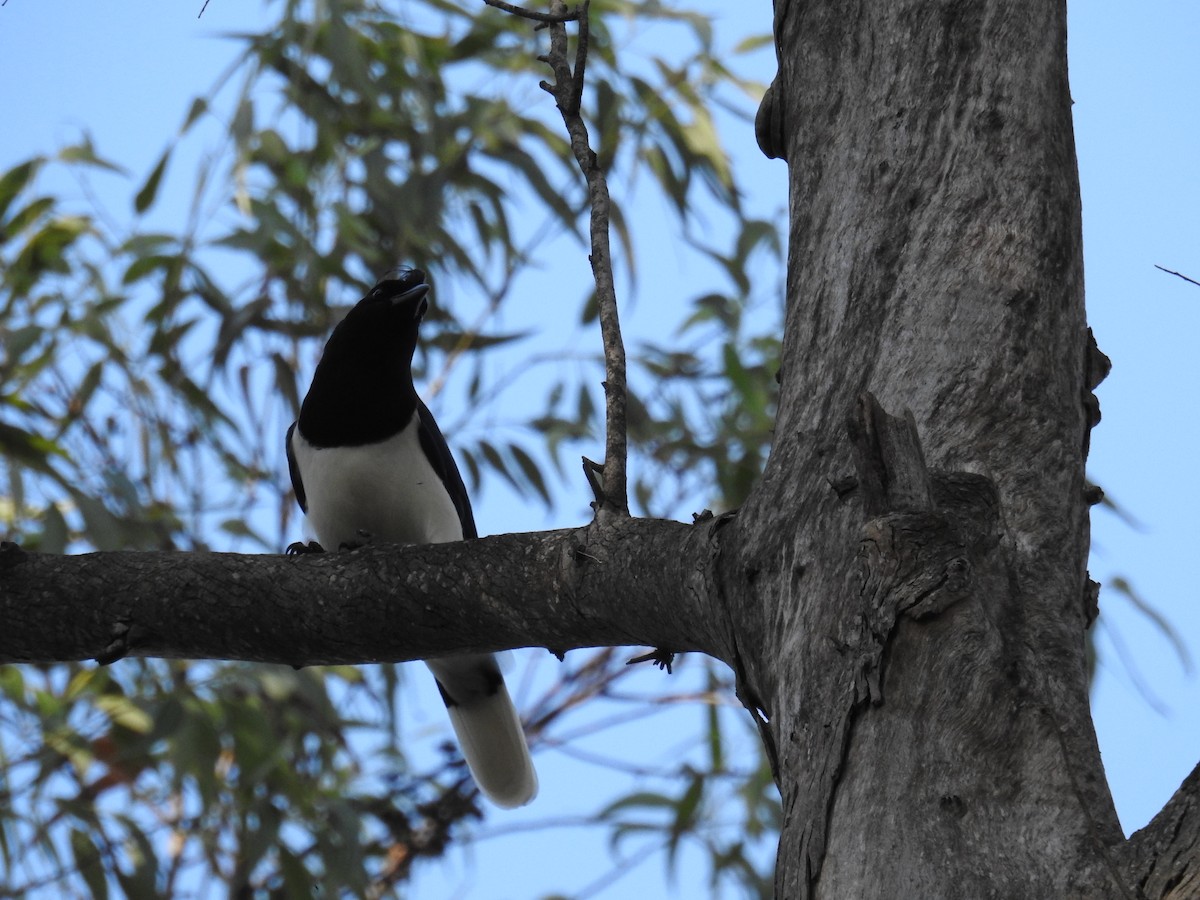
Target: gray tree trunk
923,635
904,597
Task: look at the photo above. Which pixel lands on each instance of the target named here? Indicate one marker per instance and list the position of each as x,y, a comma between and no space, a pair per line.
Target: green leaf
532,473
535,176
716,748
55,534
15,180
140,851
46,250
87,386
686,809
753,42
285,382
84,153
26,217
460,341
17,342
124,712
145,197
590,310
297,880
756,232
493,458
100,527
146,265
636,800
198,108
243,120
28,449
87,860
239,528
1125,589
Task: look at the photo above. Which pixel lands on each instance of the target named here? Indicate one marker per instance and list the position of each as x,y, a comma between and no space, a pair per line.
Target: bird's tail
488,728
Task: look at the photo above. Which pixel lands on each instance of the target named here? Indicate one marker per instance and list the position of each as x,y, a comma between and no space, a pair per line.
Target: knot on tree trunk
1097,365
925,532
768,124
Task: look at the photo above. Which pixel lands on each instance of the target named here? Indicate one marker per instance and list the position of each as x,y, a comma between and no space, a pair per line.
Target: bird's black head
396,304
382,325
363,383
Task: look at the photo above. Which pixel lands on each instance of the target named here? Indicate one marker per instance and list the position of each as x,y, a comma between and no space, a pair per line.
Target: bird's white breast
387,491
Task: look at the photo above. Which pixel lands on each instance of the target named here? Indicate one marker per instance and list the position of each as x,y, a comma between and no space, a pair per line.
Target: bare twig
1177,275
550,18
611,489
202,9
581,51
608,481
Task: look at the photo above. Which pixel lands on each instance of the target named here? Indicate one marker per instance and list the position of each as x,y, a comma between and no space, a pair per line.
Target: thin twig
608,481
581,52
203,8
1177,275
612,493
551,18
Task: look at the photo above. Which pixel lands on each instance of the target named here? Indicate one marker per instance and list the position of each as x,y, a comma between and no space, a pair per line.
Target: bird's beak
400,276
413,293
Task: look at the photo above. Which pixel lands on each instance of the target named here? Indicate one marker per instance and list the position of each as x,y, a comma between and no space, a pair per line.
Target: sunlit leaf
14,181
85,153
753,42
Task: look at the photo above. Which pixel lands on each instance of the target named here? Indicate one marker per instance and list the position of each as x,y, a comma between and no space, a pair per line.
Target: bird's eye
376,293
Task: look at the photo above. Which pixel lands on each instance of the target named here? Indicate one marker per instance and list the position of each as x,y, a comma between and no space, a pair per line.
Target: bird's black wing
294,471
438,454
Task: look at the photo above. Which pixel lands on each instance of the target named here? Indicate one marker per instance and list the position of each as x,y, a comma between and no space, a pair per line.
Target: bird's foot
299,548
661,657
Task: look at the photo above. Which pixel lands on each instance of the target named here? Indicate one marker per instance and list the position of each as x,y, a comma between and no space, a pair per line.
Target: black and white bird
368,462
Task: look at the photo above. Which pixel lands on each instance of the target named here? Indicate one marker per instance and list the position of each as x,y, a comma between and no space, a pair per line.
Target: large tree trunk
923,636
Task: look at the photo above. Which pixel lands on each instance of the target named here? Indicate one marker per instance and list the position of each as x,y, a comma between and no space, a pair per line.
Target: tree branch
609,480
1177,274
1161,858
545,18
627,581
610,485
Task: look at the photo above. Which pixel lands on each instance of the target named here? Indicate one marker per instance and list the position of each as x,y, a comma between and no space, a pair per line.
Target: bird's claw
299,548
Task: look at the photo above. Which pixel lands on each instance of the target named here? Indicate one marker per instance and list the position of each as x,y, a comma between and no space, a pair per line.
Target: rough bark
1164,857
633,581
923,662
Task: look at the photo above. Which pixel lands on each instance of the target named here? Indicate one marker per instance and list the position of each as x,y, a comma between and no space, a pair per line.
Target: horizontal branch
545,18
627,582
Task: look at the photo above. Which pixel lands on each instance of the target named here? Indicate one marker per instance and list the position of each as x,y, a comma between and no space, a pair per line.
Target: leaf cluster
151,361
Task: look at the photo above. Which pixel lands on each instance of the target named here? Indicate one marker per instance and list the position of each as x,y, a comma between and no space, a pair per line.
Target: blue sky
125,72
